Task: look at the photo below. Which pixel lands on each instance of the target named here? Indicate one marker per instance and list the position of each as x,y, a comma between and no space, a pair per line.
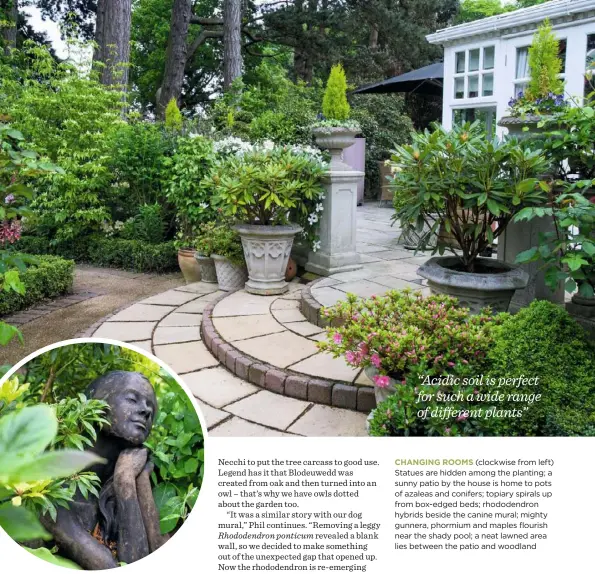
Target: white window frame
479,73
520,84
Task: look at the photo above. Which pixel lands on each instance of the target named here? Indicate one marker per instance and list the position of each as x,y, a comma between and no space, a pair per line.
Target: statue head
132,403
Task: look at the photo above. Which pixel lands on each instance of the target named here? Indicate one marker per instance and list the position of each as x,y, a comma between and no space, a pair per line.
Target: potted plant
403,333
204,248
568,252
335,131
472,187
268,191
228,256
544,94
192,160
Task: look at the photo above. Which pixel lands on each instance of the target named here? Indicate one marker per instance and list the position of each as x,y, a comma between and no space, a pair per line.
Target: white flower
322,197
204,205
312,218
319,207
316,246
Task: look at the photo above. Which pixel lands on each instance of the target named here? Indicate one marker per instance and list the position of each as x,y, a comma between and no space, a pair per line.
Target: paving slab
238,328
278,349
167,335
363,380
362,288
269,409
181,320
304,328
327,367
321,420
393,282
391,254
239,427
285,304
218,387
242,303
212,416
328,296
368,248
171,297
186,357
193,307
126,332
141,312
199,287
288,315
144,345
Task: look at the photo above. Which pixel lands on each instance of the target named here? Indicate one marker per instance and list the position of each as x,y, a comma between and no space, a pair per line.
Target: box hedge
129,254
48,277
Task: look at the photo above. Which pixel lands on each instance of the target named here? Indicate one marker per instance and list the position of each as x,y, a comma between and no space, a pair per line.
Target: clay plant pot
266,250
493,286
207,268
291,270
189,265
230,276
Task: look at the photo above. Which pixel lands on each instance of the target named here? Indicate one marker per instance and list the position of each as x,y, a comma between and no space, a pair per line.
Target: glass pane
474,60
562,55
487,116
590,59
487,85
488,57
460,62
522,62
459,88
473,87
519,89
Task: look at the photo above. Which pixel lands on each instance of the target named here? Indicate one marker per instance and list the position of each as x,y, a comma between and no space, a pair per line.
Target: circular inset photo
101,454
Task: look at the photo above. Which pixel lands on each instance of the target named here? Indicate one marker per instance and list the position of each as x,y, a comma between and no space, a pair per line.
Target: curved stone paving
168,325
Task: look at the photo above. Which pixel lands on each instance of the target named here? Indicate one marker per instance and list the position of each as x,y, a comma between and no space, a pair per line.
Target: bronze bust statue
122,525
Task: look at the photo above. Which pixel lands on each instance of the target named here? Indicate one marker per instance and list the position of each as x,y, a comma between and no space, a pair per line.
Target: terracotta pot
291,271
189,265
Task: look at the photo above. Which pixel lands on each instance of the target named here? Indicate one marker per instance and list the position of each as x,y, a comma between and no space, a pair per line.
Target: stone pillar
519,237
337,251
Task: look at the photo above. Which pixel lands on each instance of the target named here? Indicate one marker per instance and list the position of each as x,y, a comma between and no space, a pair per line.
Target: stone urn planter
230,276
381,393
525,127
267,249
335,139
581,307
493,285
207,268
189,265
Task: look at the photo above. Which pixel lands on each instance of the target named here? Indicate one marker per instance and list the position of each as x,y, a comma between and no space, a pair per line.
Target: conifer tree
334,103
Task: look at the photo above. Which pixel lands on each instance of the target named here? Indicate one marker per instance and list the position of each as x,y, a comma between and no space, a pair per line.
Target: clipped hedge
129,254
48,277
543,340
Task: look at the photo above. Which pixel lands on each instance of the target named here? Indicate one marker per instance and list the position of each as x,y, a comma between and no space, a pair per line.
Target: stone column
519,237
338,223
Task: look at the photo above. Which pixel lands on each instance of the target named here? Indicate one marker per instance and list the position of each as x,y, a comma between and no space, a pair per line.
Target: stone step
268,342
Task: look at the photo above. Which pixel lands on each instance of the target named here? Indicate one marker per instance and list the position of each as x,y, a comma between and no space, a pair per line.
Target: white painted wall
505,63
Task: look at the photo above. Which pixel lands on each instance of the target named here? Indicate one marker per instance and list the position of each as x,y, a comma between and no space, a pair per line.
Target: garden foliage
334,103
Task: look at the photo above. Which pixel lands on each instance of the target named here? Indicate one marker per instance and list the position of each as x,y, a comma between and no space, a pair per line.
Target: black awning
427,80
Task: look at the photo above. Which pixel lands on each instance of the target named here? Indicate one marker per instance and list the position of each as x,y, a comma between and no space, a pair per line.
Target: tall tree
232,41
9,15
112,36
176,55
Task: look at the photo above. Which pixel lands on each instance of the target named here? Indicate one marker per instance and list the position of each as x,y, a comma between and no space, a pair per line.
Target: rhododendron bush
404,332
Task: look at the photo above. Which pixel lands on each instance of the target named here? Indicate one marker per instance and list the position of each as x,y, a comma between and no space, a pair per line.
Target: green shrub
173,116
544,341
544,64
109,252
48,277
334,103
148,225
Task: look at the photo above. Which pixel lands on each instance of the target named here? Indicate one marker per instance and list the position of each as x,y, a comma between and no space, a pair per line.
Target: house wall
506,45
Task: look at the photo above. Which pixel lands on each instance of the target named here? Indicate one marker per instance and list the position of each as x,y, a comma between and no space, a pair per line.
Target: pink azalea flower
350,357
375,360
450,364
338,338
447,430
381,381
364,349
462,417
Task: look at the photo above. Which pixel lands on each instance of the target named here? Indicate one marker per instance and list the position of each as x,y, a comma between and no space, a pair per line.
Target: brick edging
310,308
280,381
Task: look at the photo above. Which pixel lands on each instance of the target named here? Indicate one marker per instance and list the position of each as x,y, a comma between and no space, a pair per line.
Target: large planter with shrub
189,265
230,276
266,250
492,285
206,265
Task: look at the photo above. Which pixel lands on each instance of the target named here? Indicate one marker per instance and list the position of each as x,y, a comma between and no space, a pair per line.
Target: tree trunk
9,11
373,38
232,42
176,56
113,40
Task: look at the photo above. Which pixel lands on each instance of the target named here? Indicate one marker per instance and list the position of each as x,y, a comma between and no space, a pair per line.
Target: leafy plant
147,225
193,159
403,332
173,116
334,102
78,419
204,240
568,251
269,187
227,243
544,93
471,186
